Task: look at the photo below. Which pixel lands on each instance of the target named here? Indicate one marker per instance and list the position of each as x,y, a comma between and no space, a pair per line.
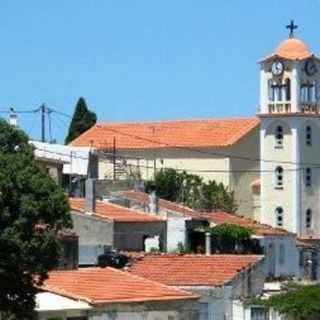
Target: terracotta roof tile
167,134
108,285
192,270
114,212
218,217
142,198
291,49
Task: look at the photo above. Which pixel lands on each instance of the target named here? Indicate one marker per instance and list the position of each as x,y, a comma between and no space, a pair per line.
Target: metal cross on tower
291,27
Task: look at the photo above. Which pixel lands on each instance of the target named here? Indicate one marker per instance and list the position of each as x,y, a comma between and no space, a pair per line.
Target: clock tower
290,137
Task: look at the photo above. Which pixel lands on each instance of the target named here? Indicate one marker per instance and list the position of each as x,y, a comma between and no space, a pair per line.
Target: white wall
176,232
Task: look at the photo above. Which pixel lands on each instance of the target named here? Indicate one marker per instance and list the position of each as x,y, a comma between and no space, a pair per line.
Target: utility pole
43,119
114,159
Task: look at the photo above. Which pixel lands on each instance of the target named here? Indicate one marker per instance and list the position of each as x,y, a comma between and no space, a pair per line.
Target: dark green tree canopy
192,191
33,209
82,120
301,302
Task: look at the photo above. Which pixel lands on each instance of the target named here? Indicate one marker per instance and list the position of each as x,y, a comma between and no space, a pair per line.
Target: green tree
33,209
82,120
233,238
299,303
193,192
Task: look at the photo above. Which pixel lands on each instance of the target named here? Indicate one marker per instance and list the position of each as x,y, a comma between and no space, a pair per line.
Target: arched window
309,219
308,177
279,217
279,137
288,89
279,177
308,135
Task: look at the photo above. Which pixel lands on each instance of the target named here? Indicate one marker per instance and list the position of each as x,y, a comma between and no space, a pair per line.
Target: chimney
13,118
208,243
90,203
153,201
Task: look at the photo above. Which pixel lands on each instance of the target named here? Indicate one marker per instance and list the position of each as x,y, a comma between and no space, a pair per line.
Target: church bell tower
290,137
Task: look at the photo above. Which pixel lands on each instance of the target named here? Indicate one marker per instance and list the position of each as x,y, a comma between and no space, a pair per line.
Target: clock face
277,68
310,67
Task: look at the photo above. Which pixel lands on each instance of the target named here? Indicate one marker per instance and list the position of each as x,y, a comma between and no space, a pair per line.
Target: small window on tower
288,89
309,219
279,217
279,178
271,90
308,136
279,137
308,177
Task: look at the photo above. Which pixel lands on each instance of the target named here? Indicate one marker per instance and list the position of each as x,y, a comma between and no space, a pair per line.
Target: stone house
110,294
216,149
108,225
218,279
68,166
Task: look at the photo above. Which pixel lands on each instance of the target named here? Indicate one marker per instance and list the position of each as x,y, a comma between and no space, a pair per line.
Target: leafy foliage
193,192
32,211
299,303
232,238
82,120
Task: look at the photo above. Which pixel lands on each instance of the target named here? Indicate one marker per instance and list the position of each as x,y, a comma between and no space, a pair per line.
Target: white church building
271,161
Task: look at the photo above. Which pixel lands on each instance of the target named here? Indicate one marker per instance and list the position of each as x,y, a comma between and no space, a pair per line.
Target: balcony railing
279,107
285,107
310,107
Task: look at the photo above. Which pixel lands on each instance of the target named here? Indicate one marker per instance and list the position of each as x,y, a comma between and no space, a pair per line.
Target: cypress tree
82,120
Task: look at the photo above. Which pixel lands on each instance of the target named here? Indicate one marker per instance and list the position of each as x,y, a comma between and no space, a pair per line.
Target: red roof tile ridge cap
193,255
146,122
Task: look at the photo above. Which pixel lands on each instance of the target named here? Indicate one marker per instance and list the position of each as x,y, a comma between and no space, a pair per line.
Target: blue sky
141,60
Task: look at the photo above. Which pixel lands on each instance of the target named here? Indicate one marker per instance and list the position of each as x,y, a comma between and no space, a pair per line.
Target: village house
111,294
286,256
217,279
68,166
207,149
103,225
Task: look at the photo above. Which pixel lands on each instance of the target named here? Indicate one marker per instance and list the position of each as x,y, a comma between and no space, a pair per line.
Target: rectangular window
259,313
282,254
204,311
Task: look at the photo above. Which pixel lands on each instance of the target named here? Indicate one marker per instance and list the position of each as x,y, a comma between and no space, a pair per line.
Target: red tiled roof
114,212
259,229
192,270
108,285
218,217
167,134
142,198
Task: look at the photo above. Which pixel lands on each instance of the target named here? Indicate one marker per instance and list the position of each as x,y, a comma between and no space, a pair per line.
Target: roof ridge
150,122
